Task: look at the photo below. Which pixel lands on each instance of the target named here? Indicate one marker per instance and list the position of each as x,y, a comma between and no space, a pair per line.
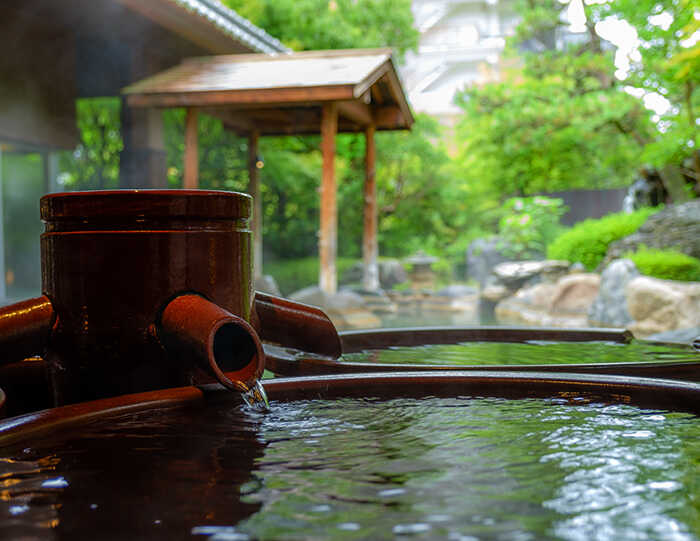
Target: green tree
94,164
334,24
557,120
222,156
667,62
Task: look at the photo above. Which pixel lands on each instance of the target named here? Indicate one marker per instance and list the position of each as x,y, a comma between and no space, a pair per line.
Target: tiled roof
231,23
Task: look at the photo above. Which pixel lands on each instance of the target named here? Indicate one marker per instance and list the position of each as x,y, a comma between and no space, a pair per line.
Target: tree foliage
94,164
334,24
222,155
557,120
667,63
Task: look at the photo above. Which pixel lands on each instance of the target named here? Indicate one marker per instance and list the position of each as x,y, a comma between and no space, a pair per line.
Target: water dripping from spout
255,397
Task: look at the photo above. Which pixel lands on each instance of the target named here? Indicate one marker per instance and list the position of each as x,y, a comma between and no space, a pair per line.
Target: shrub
666,264
528,224
587,242
294,274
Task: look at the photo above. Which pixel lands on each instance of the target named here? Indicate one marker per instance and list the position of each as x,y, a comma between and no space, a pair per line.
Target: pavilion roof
283,93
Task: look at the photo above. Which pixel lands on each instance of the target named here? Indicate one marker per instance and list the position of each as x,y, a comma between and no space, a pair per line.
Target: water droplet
349,526
403,529
256,397
59,482
639,434
456,536
212,530
438,518
667,486
391,492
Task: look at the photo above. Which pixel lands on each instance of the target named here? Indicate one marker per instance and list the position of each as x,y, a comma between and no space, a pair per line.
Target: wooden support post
370,274
329,215
254,190
191,167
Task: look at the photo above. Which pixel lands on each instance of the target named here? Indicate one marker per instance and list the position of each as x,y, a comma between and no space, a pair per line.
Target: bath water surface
532,352
460,468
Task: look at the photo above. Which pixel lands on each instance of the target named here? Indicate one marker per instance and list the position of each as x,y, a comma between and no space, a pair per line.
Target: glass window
22,183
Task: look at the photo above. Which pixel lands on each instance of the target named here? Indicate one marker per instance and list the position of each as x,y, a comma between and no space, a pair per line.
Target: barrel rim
101,205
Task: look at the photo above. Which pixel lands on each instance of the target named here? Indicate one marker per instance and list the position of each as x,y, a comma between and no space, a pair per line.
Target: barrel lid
146,204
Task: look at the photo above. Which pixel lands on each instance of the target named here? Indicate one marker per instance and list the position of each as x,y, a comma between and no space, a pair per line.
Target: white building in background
461,42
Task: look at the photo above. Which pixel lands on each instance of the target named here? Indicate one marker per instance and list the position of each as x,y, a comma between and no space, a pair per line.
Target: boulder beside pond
563,303
513,274
345,309
662,305
391,273
609,309
482,256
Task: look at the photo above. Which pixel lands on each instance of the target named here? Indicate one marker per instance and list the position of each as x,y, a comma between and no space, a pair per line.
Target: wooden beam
373,77
233,121
389,117
397,92
191,167
377,95
329,214
254,190
279,96
370,274
356,111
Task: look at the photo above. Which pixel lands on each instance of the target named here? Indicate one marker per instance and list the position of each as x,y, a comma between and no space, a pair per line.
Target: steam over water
455,469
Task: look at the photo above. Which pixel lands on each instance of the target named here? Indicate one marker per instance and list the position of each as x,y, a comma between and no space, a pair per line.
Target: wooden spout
25,328
223,345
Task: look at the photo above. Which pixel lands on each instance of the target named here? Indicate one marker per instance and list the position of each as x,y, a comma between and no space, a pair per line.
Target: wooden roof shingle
283,93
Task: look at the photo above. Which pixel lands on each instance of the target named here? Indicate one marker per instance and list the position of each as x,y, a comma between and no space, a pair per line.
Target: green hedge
666,264
294,274
587,242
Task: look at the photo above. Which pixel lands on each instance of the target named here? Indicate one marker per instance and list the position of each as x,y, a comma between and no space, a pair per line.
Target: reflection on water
533,352
462,468
479,468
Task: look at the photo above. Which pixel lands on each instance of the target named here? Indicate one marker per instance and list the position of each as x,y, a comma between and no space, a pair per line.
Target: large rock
662,305
345,308
391,273
514,274
564,303
315,296
575,293
609,309
680,336
677,227
376,301
267,284
482,256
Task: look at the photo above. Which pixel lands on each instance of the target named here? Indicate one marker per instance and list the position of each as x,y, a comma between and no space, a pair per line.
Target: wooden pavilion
342,91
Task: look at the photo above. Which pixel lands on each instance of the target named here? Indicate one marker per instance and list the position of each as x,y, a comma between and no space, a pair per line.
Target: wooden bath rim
289,363
642,392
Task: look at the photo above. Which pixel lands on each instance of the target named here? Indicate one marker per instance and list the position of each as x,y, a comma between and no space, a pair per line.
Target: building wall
37,85
460,44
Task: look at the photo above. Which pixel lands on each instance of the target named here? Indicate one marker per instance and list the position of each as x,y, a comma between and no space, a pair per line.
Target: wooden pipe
223,345
294,325
25,328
